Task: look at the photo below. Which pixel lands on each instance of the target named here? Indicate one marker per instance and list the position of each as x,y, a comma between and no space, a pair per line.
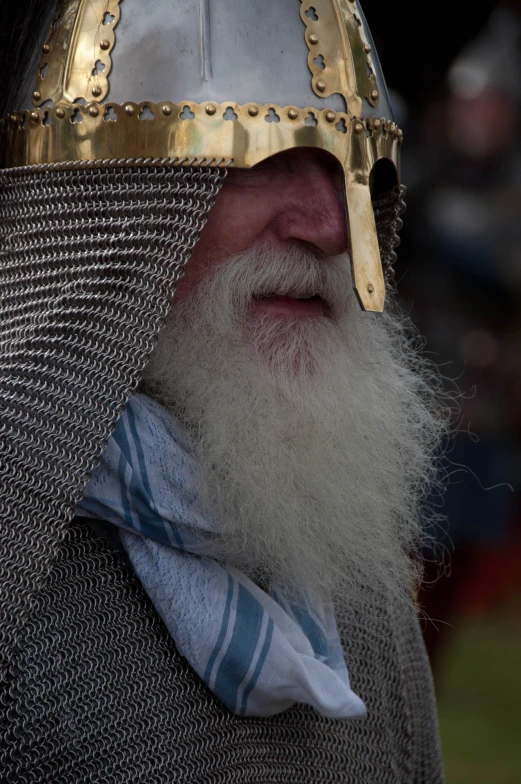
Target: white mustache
296,273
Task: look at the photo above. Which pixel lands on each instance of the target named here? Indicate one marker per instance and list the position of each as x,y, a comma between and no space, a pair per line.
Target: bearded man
212,474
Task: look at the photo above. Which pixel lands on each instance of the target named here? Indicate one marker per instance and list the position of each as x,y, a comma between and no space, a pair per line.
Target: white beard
315,436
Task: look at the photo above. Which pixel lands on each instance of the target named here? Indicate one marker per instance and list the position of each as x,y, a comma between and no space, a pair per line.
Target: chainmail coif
88,265
92,689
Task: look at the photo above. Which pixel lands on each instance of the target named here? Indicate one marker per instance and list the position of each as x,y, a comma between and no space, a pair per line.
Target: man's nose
314,210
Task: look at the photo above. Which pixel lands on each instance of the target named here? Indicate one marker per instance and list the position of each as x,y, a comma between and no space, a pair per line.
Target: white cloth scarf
258,652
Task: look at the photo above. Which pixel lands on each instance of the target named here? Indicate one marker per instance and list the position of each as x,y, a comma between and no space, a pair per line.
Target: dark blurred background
455,78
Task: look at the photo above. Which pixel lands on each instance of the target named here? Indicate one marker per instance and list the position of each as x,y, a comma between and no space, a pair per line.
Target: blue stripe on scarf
125,459
156,520
312,631
309,626
241,650
222,633
258,667
138,489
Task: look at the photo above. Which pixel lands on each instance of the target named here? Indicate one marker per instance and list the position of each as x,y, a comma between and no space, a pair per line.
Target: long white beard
315,436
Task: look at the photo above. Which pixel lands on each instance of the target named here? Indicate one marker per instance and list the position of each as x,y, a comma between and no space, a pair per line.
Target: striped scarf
258,652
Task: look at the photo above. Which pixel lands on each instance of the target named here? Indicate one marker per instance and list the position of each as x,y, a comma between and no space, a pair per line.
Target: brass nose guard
366,265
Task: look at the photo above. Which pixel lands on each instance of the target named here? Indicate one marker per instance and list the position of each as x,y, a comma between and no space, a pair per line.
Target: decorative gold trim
188,133
191,130
76,57
360,52
339,55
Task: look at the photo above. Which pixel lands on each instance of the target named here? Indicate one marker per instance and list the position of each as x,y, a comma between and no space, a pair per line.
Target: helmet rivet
392,130
35,116
253,111
167,110
359,127
400,135
292,114
104,44
370,288
13,118
321,85
330,116
129,109
210,109
96,91
367,48
377,124
60,113
46,48
313,39
93,111
375,95
37,95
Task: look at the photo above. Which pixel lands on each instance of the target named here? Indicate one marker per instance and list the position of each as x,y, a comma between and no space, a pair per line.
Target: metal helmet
115,151
183,82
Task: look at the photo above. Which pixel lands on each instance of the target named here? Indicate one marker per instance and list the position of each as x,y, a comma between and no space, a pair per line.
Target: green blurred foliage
479,702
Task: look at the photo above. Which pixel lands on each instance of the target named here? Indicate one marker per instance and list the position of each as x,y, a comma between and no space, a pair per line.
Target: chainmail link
388,209
88,265
98,694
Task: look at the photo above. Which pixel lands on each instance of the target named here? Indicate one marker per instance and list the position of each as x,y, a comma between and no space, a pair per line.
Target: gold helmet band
148,83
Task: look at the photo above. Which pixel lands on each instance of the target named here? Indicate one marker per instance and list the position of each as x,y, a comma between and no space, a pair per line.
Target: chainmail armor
88,265
92,688
388,208
98,693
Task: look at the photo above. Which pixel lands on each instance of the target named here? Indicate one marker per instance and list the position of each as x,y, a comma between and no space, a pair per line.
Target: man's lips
277,305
